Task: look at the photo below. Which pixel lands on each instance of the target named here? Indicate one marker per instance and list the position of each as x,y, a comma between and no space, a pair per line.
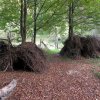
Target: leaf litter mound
81,46
24,57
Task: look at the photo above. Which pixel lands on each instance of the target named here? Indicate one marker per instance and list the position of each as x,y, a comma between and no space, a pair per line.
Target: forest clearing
63,80
49,49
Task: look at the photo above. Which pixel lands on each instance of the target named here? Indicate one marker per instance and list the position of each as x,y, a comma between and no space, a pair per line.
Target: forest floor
65,79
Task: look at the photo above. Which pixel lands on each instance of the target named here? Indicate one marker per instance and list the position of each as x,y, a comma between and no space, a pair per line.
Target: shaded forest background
24,20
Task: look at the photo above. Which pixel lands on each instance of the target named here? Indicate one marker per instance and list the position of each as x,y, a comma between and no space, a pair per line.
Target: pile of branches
81,46
26,57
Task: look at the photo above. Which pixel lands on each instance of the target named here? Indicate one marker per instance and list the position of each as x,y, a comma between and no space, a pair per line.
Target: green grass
95,61
97,74
55,51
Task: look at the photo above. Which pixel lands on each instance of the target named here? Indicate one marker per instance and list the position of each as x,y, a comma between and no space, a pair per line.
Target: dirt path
64,80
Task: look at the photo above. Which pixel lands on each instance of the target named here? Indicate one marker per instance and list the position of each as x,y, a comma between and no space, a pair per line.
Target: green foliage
55,51
9,12
87,15
96,63
51,14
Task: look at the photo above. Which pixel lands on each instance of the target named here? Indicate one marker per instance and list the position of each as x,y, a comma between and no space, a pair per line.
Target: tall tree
35,23
45,15
70,17
23,17
81,13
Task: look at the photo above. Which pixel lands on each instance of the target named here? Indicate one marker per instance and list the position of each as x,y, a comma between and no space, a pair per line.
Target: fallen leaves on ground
64,80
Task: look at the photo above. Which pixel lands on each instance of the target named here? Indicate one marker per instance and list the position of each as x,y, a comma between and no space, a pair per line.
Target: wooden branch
40,9
46,21
49,7
75,2
6,91
50,17
41,42
60,13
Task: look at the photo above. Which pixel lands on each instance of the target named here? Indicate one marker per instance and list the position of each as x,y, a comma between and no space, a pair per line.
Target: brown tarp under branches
25,57
81,46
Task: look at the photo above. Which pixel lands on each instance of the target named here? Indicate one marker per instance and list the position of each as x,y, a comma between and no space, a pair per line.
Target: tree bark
23,15
34,17
71,11
25,18
21,20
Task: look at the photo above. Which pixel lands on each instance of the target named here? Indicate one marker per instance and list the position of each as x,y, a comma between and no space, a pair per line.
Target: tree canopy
43,16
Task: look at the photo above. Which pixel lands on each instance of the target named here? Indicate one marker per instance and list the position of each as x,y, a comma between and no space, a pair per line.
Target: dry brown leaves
64,80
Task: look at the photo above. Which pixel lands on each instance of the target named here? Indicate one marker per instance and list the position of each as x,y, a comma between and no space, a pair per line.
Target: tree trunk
34,17
23,20
71,11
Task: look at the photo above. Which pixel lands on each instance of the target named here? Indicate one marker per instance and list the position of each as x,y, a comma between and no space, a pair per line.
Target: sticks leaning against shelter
10,57
10,45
